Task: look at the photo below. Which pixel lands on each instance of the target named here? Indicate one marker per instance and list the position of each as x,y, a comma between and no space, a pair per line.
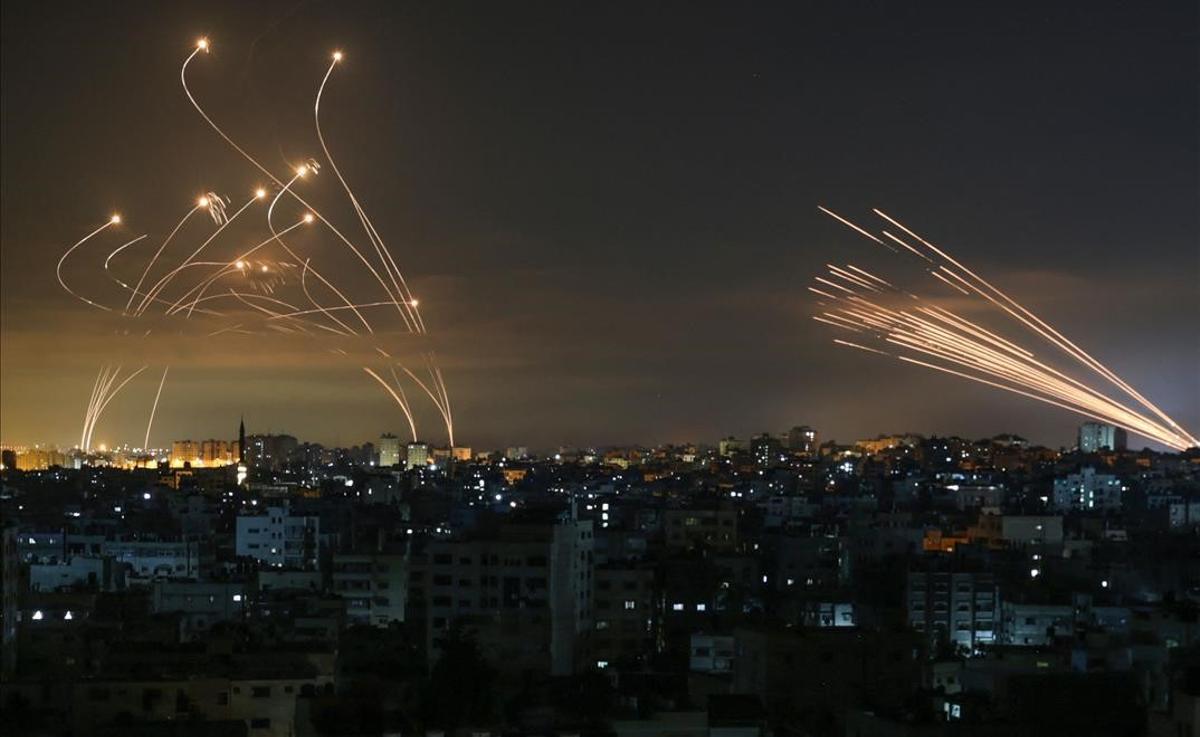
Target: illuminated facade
802,439
1097,436
38,459
389,450
203,453
418,455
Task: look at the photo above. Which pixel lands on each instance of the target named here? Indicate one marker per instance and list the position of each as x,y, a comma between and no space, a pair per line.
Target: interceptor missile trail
154,408
979,354
401,400
114,220
278,294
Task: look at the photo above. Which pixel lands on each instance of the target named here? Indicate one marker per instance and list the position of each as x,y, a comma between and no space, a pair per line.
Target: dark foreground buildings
899,586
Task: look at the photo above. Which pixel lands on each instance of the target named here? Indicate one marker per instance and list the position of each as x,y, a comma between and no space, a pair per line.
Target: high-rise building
960,607
389,450
766,449
184,451
269,452
1088,491
418,455
525,587
1098,436
802,439
279,538
729,446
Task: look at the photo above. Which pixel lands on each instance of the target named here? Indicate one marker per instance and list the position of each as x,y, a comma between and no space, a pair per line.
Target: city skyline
604,369
694,321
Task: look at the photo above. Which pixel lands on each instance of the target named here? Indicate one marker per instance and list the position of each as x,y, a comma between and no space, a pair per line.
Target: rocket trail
968,350
154,408
381,250
266,298
402,403
115,219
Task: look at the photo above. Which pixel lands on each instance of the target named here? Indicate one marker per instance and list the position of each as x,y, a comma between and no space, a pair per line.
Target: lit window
630,604
677,607
701,607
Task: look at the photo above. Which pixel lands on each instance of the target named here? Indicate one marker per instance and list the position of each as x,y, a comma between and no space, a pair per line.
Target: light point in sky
413,303
308,217
337,56
260,193
202,202
202,44
301,170
240,264
115,219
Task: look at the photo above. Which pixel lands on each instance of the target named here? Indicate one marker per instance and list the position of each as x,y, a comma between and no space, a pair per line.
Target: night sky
608,211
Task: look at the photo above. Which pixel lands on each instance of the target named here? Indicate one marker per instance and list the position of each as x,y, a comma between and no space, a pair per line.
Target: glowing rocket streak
230,329
859,347
439,400
154,407
1042,328
131,289
260,167
869,275
87,415
823,294
402,403
1052,381
818,318
897,240
847,223
162,283
270,213
373,235
1042,377
105,384
935,340
107,396
1005,387
950,318
58,269
950,284
987,360
1148,429
320,308
828,283
441,382
228,268
299,323
120,248
359,305
158,253
852,278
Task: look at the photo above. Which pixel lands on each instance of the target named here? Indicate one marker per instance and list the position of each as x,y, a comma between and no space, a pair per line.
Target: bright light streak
947,339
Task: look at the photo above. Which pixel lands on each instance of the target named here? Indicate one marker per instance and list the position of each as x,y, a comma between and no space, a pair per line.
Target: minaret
241,466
